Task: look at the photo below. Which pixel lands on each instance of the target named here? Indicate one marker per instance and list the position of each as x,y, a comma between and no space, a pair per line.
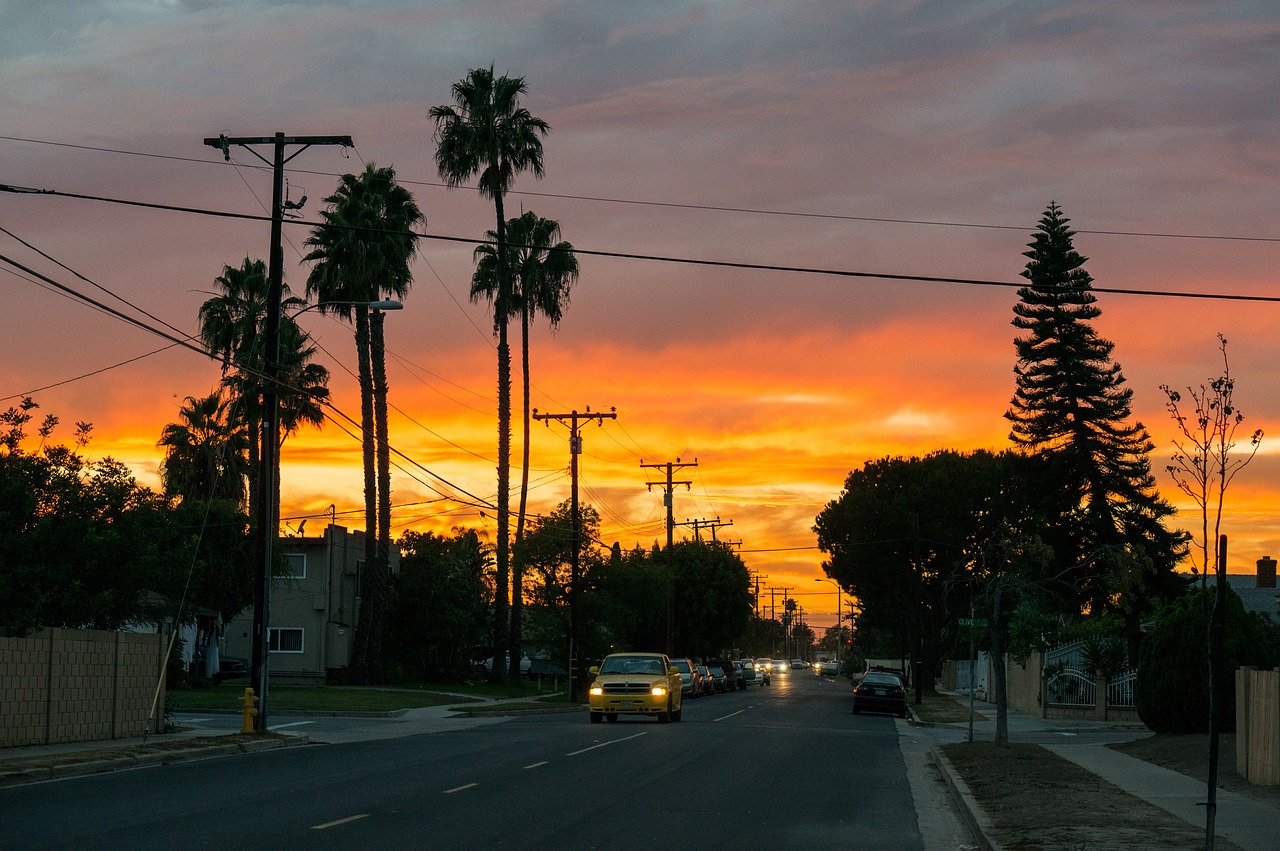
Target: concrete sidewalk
1250,824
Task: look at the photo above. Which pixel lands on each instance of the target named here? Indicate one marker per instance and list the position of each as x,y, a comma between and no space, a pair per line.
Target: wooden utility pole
575,449
699,525
268,456
669,485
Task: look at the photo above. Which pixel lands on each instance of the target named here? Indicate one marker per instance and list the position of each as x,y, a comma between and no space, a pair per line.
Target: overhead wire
802,214
692,261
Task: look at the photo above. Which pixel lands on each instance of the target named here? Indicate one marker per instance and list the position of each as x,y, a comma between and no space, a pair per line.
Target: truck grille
626,688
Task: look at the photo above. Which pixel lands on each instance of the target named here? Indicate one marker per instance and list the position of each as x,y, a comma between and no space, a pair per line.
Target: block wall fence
70,685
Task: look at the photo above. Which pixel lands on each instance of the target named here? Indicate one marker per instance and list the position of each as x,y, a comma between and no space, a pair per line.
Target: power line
656,258
801,214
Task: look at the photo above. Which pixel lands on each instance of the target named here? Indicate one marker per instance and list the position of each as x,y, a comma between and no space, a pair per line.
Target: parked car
719,679
690,682
635,684
878,691
764,667
829,668
230,668
708,685
799,665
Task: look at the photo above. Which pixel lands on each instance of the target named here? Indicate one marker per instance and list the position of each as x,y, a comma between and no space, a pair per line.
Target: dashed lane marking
346,820
606,744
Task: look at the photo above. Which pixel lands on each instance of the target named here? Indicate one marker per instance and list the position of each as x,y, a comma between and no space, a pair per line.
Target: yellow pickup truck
635,684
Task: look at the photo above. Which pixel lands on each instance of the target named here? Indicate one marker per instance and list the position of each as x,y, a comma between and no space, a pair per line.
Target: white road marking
536,764
730,715
291,724
460,788
330,824
606,744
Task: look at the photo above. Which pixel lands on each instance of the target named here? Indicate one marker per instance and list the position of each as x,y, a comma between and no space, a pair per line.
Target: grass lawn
937,708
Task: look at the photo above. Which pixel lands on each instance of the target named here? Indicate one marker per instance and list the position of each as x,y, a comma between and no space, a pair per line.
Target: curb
979,825
148,758
510,713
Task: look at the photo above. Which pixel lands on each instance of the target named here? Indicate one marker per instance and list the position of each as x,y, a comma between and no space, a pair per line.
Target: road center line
606,744
730,715
536,764
460,788
330,824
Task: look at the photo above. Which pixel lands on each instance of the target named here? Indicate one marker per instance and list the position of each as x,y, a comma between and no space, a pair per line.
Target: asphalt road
782,767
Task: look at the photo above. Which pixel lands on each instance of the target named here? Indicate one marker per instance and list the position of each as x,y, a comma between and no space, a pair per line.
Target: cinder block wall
68,685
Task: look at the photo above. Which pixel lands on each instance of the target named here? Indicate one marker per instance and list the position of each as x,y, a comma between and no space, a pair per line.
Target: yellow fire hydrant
250,711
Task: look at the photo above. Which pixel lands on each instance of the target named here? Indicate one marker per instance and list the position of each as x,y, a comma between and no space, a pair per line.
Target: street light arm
385,304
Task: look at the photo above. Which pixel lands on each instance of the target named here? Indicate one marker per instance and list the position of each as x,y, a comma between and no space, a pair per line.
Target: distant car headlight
597,691
658,691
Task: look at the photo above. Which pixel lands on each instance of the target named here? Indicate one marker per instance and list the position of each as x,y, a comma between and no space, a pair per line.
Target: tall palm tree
206,451
487,134
543,270
361,254
231,326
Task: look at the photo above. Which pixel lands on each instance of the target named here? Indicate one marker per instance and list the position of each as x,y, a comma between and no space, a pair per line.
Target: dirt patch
1189,755
1038,801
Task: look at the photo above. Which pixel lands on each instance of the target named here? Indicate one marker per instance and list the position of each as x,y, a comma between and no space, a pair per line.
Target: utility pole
575,449
268,455
698,525
757,577
670,467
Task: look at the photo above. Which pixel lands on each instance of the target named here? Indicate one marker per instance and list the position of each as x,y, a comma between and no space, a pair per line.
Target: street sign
974,622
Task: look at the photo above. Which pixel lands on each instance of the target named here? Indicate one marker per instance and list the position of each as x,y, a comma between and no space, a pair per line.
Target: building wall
68,685
315,614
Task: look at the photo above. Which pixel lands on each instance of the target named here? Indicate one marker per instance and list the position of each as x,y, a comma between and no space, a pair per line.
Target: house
1258,592
314,607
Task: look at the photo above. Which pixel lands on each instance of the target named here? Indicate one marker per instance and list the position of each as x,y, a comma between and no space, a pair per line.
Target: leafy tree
487,133
1202,465
712,596
361,253
628,602
439,609
907,537
543,270
547,554
1071,406
1172,689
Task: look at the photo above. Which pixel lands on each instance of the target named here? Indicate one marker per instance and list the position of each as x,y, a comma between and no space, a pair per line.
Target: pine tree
1072,407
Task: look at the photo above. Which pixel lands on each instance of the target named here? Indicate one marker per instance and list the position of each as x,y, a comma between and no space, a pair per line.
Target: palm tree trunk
378,352
517,569
500,623
370,617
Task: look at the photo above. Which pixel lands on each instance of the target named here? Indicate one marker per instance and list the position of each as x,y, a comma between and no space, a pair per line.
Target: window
294,566
284,640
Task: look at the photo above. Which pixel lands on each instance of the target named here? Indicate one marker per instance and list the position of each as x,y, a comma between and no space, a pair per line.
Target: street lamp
838,619
386,304
269,469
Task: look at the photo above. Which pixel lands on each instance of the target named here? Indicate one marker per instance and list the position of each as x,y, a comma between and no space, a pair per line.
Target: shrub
1172,690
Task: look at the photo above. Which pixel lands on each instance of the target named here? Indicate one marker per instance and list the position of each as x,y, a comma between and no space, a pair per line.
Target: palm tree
487,134
543,270
361,254
231,326
205,452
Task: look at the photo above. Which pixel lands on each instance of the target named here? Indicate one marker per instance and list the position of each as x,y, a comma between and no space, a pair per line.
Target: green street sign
974,622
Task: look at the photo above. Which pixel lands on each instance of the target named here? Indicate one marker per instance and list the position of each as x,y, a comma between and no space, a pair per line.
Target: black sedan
880,692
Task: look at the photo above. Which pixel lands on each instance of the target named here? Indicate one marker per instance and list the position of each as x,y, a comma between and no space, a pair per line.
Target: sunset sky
879,138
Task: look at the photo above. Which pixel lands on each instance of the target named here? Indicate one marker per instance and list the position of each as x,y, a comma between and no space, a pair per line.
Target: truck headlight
658,691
